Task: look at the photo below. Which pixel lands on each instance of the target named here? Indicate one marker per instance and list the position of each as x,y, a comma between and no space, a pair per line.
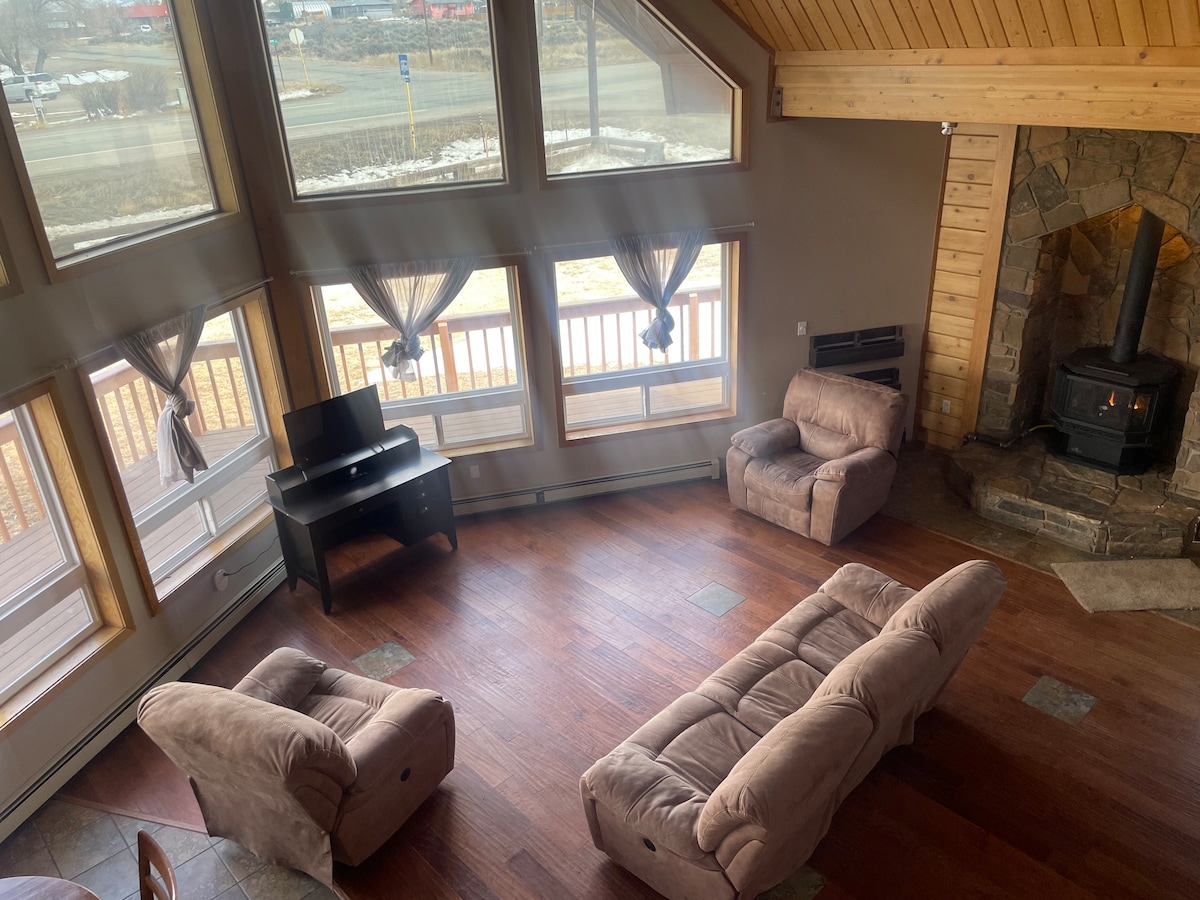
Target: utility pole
593,75
428,42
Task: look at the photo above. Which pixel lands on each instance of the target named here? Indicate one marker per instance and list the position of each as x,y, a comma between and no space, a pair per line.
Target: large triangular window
621,89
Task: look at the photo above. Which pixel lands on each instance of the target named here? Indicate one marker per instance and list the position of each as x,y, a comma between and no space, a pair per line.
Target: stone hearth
1027,487
1074,204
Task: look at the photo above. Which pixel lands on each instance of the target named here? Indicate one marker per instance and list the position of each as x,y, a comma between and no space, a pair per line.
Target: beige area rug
1125,584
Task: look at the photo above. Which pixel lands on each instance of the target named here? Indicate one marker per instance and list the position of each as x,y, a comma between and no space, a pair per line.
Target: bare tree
30,29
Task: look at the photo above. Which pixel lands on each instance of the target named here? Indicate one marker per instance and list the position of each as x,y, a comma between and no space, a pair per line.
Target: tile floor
99,850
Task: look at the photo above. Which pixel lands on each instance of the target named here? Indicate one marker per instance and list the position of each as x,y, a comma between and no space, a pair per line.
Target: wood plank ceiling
1097,63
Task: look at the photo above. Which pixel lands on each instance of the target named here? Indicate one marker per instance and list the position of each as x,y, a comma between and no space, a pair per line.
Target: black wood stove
1111,404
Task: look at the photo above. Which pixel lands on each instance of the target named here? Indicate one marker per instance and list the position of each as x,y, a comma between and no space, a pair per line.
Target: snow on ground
456,152
465,151
156,215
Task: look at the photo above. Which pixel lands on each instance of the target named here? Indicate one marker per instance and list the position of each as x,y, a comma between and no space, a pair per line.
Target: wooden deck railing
130,405
473,351
463,353
20,501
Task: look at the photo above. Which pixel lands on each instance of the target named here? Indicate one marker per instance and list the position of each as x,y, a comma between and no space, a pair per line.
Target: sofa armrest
384,747
868,592
652,800
860,466
284,678
786,787
767,438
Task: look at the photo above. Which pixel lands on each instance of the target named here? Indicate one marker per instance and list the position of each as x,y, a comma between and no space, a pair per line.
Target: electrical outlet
801,328
474,471
945,406
220,579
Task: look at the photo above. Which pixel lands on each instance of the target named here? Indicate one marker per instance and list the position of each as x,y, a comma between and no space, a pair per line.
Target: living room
835,222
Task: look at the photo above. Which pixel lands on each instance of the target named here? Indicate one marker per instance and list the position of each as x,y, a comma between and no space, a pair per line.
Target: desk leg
323,579
287,544
452,537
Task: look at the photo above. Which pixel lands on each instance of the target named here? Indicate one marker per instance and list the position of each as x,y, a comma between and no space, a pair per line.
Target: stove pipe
1142,263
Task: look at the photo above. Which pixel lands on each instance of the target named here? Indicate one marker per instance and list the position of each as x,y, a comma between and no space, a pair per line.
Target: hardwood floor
558,630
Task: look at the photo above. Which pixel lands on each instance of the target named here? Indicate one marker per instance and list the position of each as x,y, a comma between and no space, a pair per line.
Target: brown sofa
728,790
827,464
303,764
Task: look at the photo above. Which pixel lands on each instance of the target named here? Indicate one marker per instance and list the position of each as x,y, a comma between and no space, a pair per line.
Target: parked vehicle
18,88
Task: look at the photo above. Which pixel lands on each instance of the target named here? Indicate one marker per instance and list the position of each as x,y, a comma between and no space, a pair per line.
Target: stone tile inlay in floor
1060,700
383,661
716,599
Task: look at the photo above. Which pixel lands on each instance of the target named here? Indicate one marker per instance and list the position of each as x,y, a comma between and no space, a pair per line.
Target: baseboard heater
590,487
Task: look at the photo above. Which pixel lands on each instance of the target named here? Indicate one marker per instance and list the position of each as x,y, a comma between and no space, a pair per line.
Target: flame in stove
1112,399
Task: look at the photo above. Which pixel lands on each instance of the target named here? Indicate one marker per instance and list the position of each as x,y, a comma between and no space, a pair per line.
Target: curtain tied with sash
410,297
163,354
643,260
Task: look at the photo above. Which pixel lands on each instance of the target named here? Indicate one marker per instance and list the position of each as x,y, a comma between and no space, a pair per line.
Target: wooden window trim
44,402
197,45
267,367
522,327
573,438
738,160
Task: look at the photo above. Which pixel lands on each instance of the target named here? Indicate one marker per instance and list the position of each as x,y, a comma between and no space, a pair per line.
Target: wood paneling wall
982,24
967,260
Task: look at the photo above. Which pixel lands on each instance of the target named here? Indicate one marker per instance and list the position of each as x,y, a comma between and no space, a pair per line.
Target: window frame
213,130
260,361
733,268
59,459
438,405
415,193
738,113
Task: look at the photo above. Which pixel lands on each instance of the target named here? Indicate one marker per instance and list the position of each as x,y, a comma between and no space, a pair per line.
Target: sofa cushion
776,675
786,477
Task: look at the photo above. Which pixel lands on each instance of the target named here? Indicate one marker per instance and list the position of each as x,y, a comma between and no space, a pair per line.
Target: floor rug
1125,584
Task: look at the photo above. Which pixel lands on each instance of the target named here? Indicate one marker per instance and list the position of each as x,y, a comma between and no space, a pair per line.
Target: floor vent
708,468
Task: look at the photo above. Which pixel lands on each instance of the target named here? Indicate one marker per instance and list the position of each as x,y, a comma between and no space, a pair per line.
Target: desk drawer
425,507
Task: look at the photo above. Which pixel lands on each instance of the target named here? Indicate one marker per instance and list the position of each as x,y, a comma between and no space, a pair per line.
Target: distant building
156,15
304,9
363,9
445,9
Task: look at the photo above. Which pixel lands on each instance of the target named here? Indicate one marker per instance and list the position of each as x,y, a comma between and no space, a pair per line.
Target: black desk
409,502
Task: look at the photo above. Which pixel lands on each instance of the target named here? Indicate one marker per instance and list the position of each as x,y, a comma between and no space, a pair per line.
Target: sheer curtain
643,261
163,354
409,297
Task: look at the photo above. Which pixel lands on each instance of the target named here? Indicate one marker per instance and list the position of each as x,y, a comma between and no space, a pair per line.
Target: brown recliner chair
303,764
827,464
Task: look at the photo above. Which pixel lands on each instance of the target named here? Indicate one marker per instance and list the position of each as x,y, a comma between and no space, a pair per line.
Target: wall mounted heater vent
845,347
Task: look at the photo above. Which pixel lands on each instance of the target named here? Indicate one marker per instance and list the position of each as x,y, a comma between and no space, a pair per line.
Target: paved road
370,97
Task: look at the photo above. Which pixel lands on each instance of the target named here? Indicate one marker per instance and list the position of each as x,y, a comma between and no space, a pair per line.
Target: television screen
333,428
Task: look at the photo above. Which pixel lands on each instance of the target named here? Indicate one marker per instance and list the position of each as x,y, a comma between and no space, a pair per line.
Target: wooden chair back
156,875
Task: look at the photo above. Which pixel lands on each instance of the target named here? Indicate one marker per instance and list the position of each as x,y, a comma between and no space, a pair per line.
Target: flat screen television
333,428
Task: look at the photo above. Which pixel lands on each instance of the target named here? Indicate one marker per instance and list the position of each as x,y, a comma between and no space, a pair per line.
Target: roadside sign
296,36
403,57
273,41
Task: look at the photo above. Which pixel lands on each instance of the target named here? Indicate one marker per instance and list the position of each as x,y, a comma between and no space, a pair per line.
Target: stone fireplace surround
1075,201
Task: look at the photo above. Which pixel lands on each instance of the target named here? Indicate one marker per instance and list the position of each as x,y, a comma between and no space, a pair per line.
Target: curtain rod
716,229
246,288
340,270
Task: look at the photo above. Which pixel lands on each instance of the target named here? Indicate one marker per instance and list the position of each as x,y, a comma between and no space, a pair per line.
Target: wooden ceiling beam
1096,87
